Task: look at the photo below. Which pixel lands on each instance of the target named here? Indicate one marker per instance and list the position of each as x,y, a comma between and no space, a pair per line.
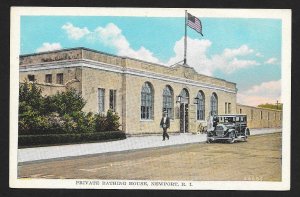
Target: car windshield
227,119
232,119
219,128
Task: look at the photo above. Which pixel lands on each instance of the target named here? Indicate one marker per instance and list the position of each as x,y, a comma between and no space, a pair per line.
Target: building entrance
184,111
184,118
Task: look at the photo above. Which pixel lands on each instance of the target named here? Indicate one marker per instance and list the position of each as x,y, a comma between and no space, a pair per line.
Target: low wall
260,117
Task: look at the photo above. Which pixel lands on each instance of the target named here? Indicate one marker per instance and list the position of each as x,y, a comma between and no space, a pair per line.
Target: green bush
277,106
30,97
100,123
59,114
112,121
31,121
85,123
31,108
57,139
63,103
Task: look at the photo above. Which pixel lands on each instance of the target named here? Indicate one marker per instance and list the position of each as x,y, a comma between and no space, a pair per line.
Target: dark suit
165,125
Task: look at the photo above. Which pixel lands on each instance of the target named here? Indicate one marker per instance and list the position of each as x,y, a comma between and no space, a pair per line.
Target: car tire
247,131
232,136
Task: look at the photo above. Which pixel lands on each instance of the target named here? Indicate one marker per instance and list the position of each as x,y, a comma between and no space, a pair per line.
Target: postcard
150,98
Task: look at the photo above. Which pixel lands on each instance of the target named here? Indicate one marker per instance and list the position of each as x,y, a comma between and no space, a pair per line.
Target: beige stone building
261,117
139,91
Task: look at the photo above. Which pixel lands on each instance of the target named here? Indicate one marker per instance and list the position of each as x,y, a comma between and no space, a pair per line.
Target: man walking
165,124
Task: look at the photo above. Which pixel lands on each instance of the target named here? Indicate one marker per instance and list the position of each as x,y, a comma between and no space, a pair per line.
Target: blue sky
244,51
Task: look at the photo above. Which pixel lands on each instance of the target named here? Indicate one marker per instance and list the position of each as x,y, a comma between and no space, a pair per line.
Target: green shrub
59,114
31,121
63,103
69,125
85,123
56,139
112,121
277,106
100,123
30,97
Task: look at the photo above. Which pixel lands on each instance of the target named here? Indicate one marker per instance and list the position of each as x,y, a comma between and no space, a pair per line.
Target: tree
31,107
271,106
30,98
112,121
59,113
68,102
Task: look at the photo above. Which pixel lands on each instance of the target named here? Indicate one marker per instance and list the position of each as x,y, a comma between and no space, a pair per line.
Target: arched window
184,95
147,101
168,101
214,104
200,106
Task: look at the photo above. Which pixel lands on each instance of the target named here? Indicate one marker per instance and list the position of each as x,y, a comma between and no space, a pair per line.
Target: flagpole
185,39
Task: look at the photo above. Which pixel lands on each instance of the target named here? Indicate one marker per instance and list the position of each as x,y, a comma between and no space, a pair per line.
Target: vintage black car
229,128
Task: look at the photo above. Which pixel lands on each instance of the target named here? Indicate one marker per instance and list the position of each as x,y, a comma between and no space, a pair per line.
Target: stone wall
88,54
92,80
71,79
54,56
133,102
261,117
88,70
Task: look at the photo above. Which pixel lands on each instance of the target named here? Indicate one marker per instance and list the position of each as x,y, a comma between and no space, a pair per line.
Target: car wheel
247,131
231,141
231,135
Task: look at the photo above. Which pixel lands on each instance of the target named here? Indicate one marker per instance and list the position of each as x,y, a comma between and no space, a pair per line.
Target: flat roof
124,57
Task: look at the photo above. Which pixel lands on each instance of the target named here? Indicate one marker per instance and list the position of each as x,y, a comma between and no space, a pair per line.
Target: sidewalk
131,143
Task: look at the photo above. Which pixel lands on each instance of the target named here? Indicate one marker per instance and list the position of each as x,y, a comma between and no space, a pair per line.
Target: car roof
232,115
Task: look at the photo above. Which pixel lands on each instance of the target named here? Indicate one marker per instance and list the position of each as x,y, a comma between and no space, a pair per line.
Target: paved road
259,159
131,143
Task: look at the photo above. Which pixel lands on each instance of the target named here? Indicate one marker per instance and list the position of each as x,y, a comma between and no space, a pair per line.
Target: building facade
261,117
138,91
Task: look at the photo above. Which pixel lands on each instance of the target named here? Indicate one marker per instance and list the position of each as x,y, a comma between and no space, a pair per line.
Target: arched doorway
184,111
214,104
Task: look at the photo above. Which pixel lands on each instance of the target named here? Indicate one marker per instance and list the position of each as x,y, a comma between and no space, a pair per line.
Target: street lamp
196,100
178,100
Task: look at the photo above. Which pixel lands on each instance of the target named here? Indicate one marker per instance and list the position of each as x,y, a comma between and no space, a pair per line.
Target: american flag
194,23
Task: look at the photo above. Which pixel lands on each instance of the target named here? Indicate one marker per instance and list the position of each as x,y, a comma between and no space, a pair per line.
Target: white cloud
272,60
111,36
197,57
75,32
46,46
258,55
266,92
242,51
229,62
237,64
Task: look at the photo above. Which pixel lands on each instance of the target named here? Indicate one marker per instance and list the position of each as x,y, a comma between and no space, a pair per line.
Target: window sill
146,120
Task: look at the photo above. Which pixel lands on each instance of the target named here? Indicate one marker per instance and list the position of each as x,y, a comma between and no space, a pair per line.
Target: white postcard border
283,14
